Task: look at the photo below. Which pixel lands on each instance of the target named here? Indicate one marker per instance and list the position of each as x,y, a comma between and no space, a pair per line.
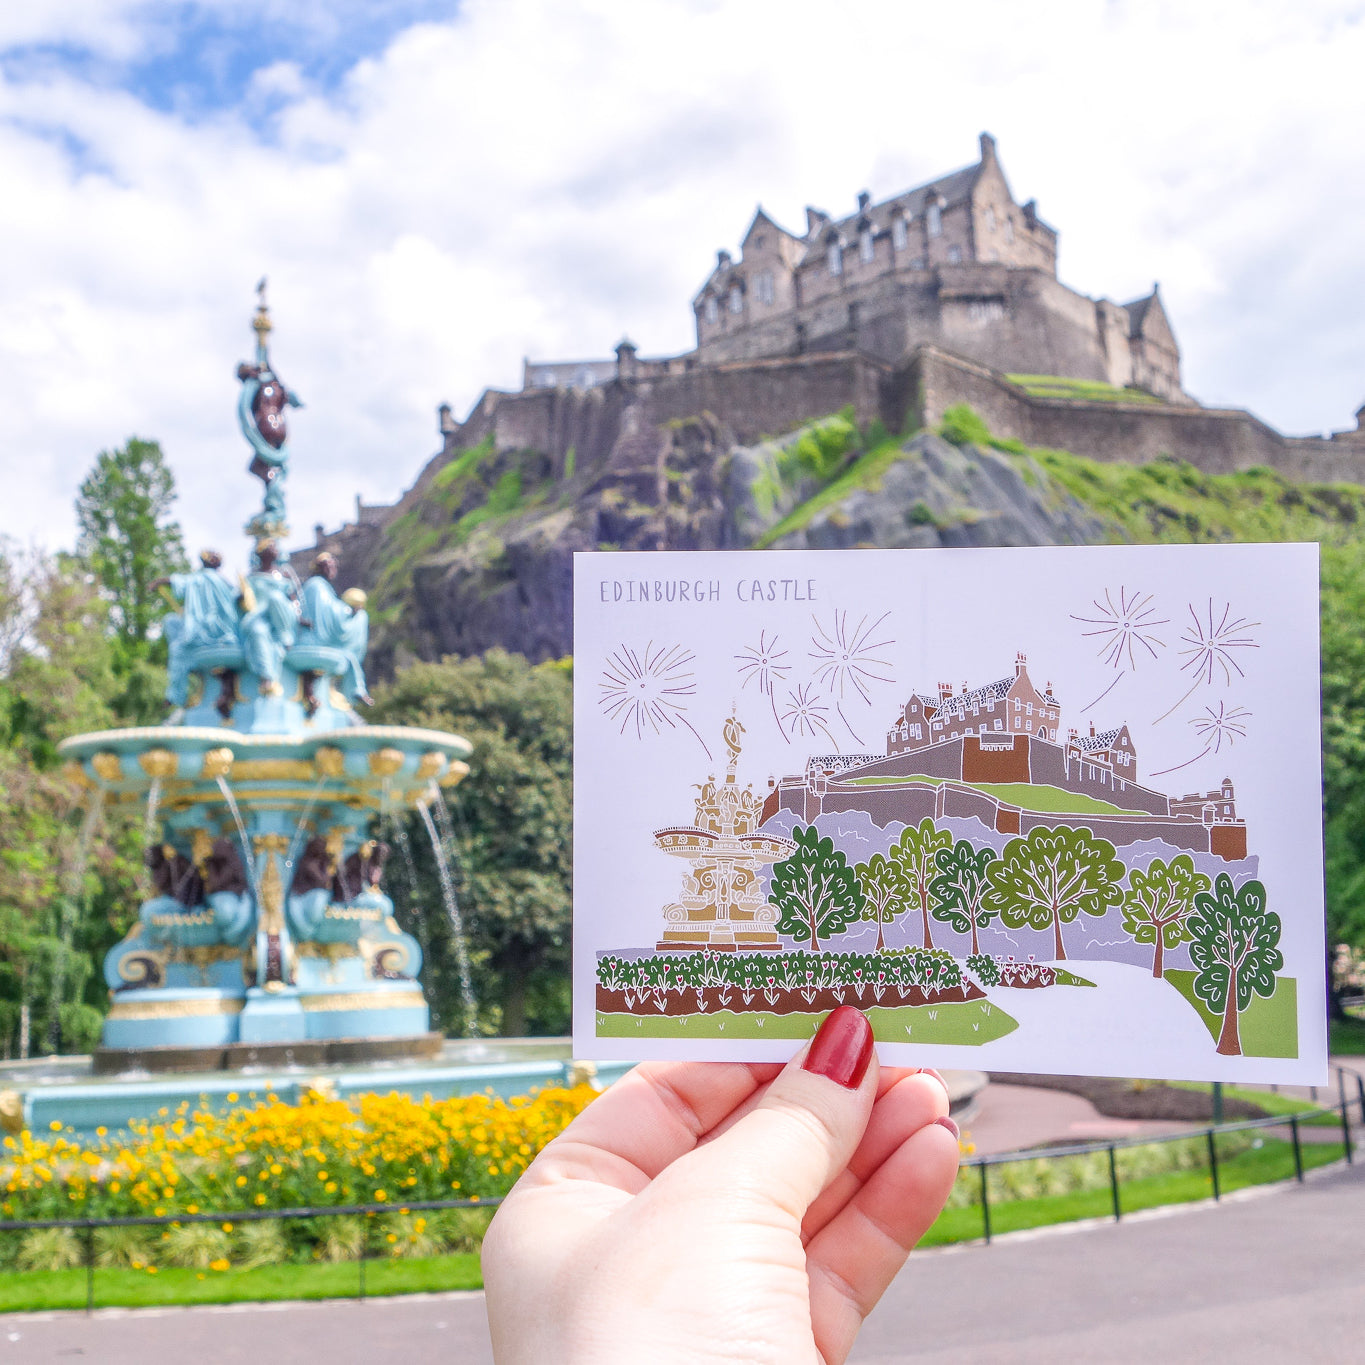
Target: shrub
50,1249
963,425
196,1246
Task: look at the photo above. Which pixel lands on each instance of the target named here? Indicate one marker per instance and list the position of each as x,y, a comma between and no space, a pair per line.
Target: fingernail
842,1048
947,1123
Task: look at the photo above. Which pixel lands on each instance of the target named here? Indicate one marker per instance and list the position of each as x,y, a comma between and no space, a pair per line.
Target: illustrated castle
949,757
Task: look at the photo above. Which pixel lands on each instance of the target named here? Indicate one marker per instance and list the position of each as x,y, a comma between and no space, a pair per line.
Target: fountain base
308,1052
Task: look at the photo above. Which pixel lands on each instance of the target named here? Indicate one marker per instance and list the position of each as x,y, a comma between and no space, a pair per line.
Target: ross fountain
267,935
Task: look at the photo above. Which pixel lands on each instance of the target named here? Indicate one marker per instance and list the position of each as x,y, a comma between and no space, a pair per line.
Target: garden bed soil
1117,1098
711,998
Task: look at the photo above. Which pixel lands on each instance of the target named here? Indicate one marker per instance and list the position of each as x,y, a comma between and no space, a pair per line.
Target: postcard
1043,810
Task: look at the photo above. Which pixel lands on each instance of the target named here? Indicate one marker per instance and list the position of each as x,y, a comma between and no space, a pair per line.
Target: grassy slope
1266,1028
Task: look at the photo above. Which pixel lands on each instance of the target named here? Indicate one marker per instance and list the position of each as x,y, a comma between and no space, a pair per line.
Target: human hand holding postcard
1046,810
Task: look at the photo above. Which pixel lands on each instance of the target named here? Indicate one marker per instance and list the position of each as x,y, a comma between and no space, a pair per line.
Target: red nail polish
842,1048
946,1122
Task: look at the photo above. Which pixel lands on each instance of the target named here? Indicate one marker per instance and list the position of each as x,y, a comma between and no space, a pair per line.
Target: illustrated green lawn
968,1023
1039,796
1268,1028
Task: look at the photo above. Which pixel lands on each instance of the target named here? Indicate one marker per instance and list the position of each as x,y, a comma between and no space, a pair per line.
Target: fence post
1360,1094
1114,1184
1298,1153
1345,1122
985,1203
1213,1165
89,1270
364,1249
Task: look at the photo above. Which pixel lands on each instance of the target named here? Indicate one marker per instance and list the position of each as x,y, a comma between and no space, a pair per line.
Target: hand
722,1212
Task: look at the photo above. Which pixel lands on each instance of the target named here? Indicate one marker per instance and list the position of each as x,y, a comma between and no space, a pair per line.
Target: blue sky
436,192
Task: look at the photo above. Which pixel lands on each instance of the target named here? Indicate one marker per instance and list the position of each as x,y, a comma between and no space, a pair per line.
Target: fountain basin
68,1090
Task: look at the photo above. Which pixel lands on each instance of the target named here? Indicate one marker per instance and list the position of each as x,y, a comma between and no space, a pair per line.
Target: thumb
808,1125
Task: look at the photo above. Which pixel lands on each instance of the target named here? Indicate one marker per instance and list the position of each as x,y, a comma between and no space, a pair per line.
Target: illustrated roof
1103,739
976,696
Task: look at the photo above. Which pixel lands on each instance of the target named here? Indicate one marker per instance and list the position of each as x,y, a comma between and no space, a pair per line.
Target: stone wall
1216,440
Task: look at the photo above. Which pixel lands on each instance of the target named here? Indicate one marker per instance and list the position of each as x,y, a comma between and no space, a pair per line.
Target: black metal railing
1112,1147
87,1227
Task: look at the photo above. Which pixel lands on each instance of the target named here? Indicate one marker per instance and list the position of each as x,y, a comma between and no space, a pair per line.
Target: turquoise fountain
267,937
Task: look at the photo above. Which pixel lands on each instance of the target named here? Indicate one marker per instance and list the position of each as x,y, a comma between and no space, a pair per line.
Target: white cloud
540,177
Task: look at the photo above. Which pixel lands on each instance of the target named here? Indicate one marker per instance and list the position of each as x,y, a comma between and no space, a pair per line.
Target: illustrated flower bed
788,983
384,1149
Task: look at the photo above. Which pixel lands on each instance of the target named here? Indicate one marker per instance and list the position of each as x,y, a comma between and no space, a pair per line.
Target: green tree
513,826
1159,902
884,891
1343,751
914,853
1049,877
959,887
1235,951
127,535
66,890
815,890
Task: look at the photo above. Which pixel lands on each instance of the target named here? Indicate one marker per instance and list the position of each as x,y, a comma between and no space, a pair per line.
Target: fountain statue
268,934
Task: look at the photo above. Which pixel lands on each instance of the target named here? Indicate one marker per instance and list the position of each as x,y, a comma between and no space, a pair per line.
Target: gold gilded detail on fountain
386,762
329,761
431,764
336,846
273,770
75,773
455,774
217,763
107,765
201,845
158,764
721,905
272,883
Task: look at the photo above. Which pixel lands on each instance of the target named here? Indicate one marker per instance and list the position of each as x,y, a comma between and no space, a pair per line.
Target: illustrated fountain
267,939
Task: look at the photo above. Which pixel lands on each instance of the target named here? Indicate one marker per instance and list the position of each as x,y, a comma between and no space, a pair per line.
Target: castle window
917,263
1018,724
999,724
835,259
1009,229
934,220
914,730
736,299
900,234
866,247
763,286
990,218
954,255
712,309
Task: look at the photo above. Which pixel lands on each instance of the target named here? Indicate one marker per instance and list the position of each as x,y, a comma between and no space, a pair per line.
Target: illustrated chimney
1092,729
945,690
1020,660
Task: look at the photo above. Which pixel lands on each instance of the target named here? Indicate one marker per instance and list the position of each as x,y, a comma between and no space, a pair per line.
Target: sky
437,189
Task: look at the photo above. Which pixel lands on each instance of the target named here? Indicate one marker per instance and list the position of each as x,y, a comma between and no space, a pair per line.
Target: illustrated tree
815,891
1236,953
1159,902
884,889
959,888
1051,876
127,535
914,854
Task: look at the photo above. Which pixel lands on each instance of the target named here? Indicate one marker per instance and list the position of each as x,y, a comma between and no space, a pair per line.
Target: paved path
1253,1280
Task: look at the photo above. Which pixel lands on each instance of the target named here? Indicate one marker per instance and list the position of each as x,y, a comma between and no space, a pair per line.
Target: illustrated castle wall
1005,733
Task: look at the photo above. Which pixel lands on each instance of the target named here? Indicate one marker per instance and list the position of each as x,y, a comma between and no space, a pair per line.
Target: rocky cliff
484,556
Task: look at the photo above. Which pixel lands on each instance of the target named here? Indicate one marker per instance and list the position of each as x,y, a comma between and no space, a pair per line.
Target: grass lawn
1346,1038
27,1291
966,1022
1273,1160
1267,1028
1088,390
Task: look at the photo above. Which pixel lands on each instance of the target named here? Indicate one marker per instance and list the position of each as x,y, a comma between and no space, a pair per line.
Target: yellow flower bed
387,1149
